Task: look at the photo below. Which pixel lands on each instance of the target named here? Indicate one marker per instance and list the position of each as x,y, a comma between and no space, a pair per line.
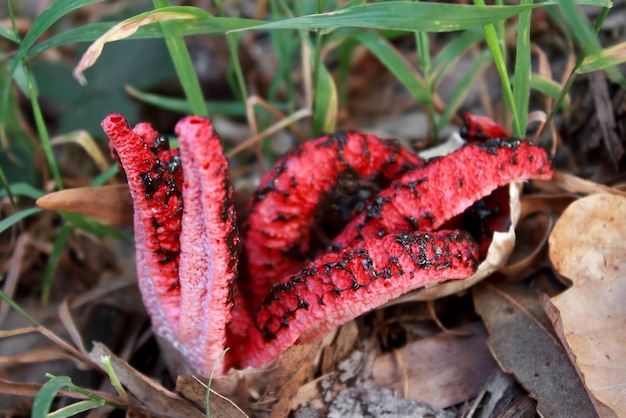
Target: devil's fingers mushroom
425,198
186,234
278,229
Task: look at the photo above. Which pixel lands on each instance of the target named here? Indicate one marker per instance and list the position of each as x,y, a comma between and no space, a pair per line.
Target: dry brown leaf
523,343
293,368
153,397
587,246
120,31
108,203
573,184
544,201
343,344
65,316
442,370
194,390
532,234
274,387
502,397
38,355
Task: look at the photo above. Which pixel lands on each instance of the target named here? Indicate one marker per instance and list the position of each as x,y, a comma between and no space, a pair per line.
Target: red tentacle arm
281,210
338,287
154,179
425,198
208,244
480,128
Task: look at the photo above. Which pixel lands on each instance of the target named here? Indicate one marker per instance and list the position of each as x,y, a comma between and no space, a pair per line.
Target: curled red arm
425,198
338,287
281,210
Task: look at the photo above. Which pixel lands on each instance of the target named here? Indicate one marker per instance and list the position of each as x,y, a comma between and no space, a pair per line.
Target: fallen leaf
219,406
523,343
502,396
152,396
108,203
587,246
442,370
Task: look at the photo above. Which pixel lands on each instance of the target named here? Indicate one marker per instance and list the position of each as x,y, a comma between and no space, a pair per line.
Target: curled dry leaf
587,246
120,31
534,232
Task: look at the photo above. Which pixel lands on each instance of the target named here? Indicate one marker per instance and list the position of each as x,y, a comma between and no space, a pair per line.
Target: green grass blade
325,100
463,88
46,19
94,226
182,63
586,36
42,130
181,105
17,308
233,43
11,220
9,34
581,29
522,74
232,40
608,57
446,58
6,187
395,63
53,261
423,57
548,87
47,393
22,189
198,26
401,15
76,408
572,76
103,177
498,58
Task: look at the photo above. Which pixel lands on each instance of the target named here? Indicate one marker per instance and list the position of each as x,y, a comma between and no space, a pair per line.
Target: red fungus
338,287
425,198
281,210
158,204
187,254
480,128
